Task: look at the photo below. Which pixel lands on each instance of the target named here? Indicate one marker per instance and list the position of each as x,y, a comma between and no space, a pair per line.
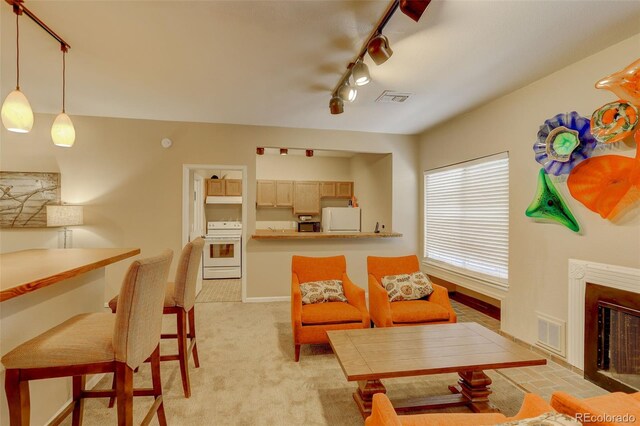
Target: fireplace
612,338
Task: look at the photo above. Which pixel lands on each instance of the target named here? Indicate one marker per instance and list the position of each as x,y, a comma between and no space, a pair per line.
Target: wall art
614,121
23,197
548,204
624,84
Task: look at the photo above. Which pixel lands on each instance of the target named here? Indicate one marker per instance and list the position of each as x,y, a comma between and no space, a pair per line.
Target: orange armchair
435,309
383,414
614,409
311,322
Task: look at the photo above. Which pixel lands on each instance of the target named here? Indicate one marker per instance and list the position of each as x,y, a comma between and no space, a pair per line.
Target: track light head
309,153
284,151
336,105
348,92
360,73
414,8
379,49
260,150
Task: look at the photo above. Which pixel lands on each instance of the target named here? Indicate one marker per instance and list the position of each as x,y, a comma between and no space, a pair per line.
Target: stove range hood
223,200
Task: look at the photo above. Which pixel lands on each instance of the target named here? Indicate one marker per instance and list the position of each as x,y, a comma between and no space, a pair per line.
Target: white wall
539,253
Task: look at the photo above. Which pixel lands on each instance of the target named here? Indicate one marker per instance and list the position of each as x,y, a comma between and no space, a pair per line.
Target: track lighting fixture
360,73
17,115
309,153
62,132
284,151
379,49
336,106
260,150
348,92
377,45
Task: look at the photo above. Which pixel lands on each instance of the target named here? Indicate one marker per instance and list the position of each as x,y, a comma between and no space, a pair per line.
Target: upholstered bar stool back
187,274
139,317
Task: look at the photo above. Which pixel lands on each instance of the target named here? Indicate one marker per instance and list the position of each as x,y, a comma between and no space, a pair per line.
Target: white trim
89,385
267,299
185,210
580,273
472,283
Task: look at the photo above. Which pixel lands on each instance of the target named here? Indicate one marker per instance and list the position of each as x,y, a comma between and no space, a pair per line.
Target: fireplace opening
612,338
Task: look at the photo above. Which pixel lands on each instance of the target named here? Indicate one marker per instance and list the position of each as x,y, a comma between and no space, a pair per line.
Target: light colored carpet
226,290
247,376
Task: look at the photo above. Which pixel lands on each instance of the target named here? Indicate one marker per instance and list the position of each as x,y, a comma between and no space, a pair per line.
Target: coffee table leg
364,395
474,386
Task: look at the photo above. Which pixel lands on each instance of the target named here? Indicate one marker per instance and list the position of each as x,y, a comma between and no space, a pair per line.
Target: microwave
308,226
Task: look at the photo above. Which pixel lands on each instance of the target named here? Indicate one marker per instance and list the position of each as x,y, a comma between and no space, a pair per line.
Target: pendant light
62,132
16,113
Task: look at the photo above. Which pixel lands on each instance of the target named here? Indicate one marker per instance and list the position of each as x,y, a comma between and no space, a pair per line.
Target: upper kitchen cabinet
224,187
274,193
306,198
336,189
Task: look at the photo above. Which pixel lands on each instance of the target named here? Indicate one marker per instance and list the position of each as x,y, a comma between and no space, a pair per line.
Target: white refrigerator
340,219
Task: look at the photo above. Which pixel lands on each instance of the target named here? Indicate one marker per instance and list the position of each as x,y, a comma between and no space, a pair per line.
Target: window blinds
466,219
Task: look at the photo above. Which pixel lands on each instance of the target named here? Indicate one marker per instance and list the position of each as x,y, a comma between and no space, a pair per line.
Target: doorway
198,210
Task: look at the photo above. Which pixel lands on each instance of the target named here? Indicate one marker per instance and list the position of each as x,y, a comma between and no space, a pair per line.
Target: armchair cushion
322,291
407,286
418,311
330,313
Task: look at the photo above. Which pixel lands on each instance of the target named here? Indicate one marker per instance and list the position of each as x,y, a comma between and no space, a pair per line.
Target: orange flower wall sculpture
625,84
607,184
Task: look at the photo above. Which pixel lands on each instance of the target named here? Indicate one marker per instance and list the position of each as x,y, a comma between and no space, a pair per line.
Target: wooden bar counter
40,289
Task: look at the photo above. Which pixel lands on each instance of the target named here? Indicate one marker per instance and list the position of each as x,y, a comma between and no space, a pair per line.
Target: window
466,218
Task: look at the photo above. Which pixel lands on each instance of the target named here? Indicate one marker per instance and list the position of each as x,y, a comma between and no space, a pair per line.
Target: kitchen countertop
28,270
286,234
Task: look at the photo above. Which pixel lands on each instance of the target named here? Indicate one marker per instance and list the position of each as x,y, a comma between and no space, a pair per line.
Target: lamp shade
64,215
17,115
62,132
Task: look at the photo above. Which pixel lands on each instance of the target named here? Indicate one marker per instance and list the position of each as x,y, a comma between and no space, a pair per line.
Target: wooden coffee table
368,355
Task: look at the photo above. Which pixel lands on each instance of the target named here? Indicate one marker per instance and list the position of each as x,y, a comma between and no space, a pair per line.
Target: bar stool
180,299
95,343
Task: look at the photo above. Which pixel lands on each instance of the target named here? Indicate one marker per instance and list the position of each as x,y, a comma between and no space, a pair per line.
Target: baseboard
267,299
89,385
477,304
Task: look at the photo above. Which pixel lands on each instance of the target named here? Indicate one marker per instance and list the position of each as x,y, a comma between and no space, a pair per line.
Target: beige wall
298,167
132,187
539,253
373,181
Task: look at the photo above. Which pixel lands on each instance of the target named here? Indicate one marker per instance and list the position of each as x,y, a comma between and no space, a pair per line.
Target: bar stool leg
78,402
192,331
112,400
183,355
124,393
18,398
157,385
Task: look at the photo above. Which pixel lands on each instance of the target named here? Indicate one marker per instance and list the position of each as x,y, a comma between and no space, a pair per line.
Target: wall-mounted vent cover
389,96
551,333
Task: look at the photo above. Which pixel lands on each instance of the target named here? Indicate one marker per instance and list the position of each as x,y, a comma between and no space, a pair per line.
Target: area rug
247,376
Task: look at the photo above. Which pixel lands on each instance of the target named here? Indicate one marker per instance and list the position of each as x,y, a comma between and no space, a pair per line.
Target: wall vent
389,96
551,334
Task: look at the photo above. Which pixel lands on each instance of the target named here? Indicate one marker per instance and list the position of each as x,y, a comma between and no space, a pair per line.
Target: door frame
186,200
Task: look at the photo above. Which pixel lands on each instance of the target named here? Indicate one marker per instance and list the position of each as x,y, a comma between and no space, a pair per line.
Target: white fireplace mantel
580,273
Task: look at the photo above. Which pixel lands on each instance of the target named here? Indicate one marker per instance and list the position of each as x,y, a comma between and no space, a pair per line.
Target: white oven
223,250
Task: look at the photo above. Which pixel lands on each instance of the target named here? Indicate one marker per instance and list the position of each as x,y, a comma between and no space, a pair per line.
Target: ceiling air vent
389,96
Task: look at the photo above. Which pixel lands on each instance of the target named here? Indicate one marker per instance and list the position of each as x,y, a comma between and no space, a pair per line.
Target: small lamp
65,215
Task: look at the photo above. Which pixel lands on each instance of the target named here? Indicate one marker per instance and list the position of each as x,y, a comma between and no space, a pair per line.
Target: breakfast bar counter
266,234
40,289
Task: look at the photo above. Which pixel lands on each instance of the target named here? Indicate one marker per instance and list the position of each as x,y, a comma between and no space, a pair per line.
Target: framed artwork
24,197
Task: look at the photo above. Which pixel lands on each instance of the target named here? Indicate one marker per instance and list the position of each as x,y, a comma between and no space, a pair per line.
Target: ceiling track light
377,46
284,151
260,150
348,92
309,153
17,115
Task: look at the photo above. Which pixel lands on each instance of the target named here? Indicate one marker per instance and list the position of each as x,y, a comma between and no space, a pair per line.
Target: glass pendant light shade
17,115
62,132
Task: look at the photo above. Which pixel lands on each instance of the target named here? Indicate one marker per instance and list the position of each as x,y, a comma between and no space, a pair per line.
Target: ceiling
275,63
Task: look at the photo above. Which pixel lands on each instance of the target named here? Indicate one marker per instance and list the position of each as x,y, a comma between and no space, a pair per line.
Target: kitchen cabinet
224,187
327,189
344,189
306,197
274,193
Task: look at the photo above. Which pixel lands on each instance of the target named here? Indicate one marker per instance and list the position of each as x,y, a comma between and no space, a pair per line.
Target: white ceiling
275,62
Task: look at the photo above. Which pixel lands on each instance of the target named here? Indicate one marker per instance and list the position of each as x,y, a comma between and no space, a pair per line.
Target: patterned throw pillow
322,291
407,286
546,419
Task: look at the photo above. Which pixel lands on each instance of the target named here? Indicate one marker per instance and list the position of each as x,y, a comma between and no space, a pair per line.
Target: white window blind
466,219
